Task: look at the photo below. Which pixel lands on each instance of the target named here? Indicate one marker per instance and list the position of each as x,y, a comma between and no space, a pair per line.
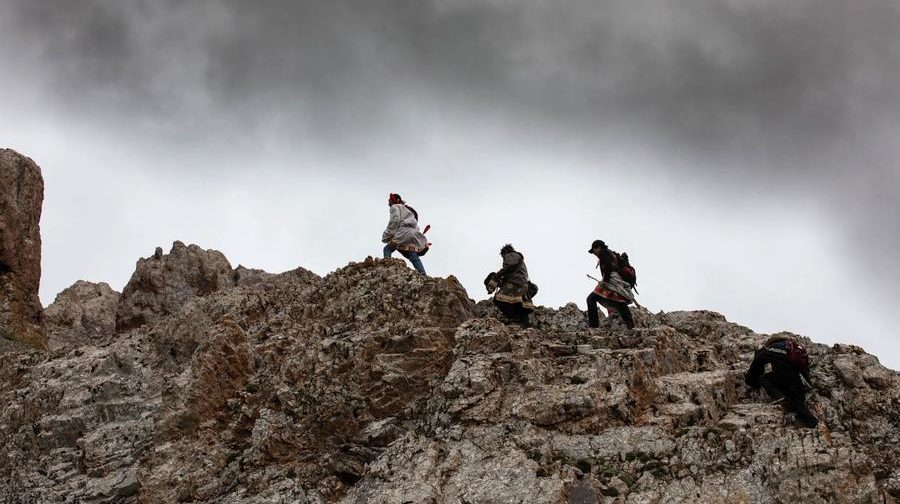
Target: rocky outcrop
377,385
21,196
163,283
656,415
81,314
335,361
249,276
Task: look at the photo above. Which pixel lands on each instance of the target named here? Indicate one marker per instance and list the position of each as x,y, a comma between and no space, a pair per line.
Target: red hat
393,199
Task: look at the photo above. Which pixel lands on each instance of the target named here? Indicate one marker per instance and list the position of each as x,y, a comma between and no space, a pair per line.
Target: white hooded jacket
403,230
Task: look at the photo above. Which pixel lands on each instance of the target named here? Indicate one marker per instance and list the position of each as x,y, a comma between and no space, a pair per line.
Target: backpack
532,289
794,353
626,270
797,355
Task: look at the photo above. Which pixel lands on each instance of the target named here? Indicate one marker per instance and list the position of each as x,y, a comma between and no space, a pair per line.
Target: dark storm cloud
722,77
790,98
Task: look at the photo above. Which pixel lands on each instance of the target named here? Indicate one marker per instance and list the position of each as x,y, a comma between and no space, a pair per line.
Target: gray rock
849,373
377,385
81,314
162,284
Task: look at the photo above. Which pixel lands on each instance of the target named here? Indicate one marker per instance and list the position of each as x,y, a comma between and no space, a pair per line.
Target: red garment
602,290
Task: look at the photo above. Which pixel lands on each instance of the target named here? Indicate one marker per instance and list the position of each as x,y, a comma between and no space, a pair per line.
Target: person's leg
626,315
771,386
795,398
618,308
506,309
797,404
414,259
388,250
523,315
593,311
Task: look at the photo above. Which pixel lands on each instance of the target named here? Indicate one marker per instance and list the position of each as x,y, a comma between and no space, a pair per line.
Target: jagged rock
310,398
162,284
21,196
81,314
849,373
249,276
377,385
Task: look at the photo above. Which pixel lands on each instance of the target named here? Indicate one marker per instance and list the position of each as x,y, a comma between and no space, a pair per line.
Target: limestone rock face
21,196
162,284
84,312
376,385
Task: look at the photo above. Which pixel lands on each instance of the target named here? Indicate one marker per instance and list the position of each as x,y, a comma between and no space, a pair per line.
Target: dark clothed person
784,382
612,292
513,298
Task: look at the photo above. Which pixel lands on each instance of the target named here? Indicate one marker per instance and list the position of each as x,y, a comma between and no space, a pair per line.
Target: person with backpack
514,290
789,378
402,233
614,290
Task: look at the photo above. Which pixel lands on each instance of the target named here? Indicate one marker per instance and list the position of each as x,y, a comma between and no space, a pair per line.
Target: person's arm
760,359
490,283
805,374
606,263
511,261
393,224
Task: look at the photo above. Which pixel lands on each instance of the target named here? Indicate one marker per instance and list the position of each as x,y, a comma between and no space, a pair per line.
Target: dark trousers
792,392
513,312
619,306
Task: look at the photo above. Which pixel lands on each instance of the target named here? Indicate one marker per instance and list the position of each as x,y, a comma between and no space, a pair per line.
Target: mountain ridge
373,384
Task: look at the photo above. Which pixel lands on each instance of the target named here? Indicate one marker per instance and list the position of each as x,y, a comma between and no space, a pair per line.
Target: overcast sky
745,153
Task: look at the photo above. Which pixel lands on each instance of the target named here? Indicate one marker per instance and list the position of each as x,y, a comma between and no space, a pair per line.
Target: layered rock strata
376,385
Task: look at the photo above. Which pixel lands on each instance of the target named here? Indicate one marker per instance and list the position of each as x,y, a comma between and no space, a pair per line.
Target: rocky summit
211,384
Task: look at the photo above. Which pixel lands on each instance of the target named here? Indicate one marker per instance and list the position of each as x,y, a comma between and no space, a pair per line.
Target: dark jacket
607,263
782,371
514,271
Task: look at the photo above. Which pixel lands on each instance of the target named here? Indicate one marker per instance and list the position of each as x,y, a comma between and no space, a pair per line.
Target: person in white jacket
402,233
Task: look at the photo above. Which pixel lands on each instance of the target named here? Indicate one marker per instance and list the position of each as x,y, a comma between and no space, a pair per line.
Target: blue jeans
412,256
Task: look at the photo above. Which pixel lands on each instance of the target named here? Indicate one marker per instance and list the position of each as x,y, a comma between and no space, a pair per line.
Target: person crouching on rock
402,233
612,292
515,289
788,380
